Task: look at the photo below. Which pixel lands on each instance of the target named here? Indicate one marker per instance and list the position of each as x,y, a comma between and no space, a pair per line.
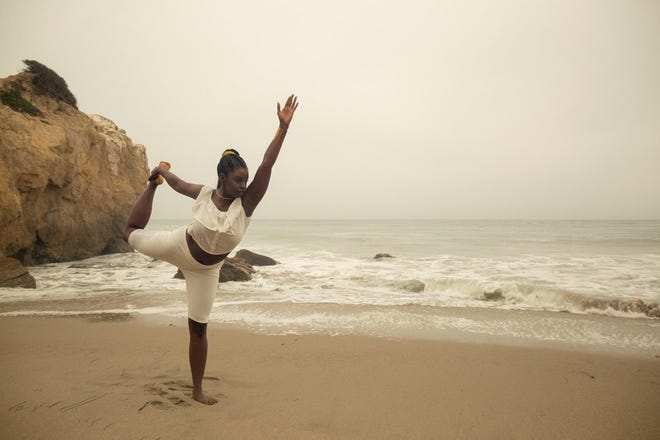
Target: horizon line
433,218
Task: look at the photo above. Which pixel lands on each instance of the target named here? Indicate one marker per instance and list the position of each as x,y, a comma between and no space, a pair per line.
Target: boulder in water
495,295
255,259
381,256
233,269
414,286
236,269
13,274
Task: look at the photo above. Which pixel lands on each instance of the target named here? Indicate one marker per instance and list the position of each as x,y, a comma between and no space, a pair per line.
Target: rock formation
13,274
67,179
495,295
255,259
233,269
413,286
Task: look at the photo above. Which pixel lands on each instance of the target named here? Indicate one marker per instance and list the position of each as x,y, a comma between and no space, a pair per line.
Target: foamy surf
433,322
327,281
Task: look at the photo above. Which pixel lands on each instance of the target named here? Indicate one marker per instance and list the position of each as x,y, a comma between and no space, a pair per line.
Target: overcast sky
415,109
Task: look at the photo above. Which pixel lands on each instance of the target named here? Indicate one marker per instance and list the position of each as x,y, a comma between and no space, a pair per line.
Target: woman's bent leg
141,212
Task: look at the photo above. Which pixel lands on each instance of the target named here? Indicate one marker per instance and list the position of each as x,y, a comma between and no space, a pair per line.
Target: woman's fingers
290,105
291,101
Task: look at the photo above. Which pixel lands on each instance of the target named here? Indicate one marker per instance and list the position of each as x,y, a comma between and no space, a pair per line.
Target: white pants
201,280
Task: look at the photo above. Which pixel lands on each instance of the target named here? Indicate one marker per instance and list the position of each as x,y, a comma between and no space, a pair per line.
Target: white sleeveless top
215,231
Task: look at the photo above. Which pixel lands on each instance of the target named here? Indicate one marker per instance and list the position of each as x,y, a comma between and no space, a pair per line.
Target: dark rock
379,256
495,295
116,246
255,259
414,286
234,269
13,274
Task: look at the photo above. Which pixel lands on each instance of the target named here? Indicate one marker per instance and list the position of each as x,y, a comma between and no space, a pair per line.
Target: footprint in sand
154,403
173,392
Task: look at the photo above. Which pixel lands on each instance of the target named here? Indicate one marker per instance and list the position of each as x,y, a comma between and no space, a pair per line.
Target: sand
65,378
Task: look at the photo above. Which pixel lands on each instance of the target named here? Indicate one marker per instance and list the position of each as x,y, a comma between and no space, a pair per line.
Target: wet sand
74,378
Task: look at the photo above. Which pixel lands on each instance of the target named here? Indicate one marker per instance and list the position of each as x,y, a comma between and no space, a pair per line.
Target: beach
472,330
129,378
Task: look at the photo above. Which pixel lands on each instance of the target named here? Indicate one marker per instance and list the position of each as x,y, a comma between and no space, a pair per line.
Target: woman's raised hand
286,114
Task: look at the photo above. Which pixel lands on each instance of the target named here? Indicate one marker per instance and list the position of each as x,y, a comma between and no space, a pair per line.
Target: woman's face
234,183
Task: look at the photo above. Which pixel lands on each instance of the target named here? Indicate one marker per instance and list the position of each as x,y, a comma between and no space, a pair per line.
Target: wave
408,320
607,285
431,322
542,298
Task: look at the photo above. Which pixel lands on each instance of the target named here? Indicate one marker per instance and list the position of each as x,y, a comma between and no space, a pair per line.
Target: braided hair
230,161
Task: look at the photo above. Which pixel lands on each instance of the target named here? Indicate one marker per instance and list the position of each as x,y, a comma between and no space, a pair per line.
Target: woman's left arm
257,189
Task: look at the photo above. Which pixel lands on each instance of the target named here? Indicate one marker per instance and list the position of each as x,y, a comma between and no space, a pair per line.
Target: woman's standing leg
197,354
201,286
141,212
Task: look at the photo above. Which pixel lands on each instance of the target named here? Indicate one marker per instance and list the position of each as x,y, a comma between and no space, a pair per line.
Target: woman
220,217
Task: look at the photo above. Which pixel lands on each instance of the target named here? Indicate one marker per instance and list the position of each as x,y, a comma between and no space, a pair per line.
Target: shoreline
586,332
127,379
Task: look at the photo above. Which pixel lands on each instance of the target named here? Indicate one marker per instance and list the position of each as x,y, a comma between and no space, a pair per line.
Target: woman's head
232,173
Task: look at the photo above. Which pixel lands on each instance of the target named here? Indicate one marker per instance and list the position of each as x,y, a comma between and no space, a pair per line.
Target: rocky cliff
67,179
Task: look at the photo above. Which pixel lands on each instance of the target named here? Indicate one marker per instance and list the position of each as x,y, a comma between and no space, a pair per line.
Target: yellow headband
227,152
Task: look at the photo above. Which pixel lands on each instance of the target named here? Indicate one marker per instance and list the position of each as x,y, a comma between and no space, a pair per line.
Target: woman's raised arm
257,189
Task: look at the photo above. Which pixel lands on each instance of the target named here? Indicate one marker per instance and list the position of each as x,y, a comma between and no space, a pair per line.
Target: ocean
577,283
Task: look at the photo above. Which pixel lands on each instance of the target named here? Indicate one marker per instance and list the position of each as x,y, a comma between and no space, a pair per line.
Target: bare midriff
200,255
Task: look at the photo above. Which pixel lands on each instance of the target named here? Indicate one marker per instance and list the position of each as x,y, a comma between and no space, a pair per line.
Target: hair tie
227,152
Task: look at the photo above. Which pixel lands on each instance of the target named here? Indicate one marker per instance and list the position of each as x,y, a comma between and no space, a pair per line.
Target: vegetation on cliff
15,100
50,83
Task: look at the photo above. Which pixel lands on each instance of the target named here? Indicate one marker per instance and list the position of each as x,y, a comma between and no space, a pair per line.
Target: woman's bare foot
203,398
166,166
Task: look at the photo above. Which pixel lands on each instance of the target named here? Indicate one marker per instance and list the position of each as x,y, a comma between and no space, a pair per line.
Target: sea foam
327,271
